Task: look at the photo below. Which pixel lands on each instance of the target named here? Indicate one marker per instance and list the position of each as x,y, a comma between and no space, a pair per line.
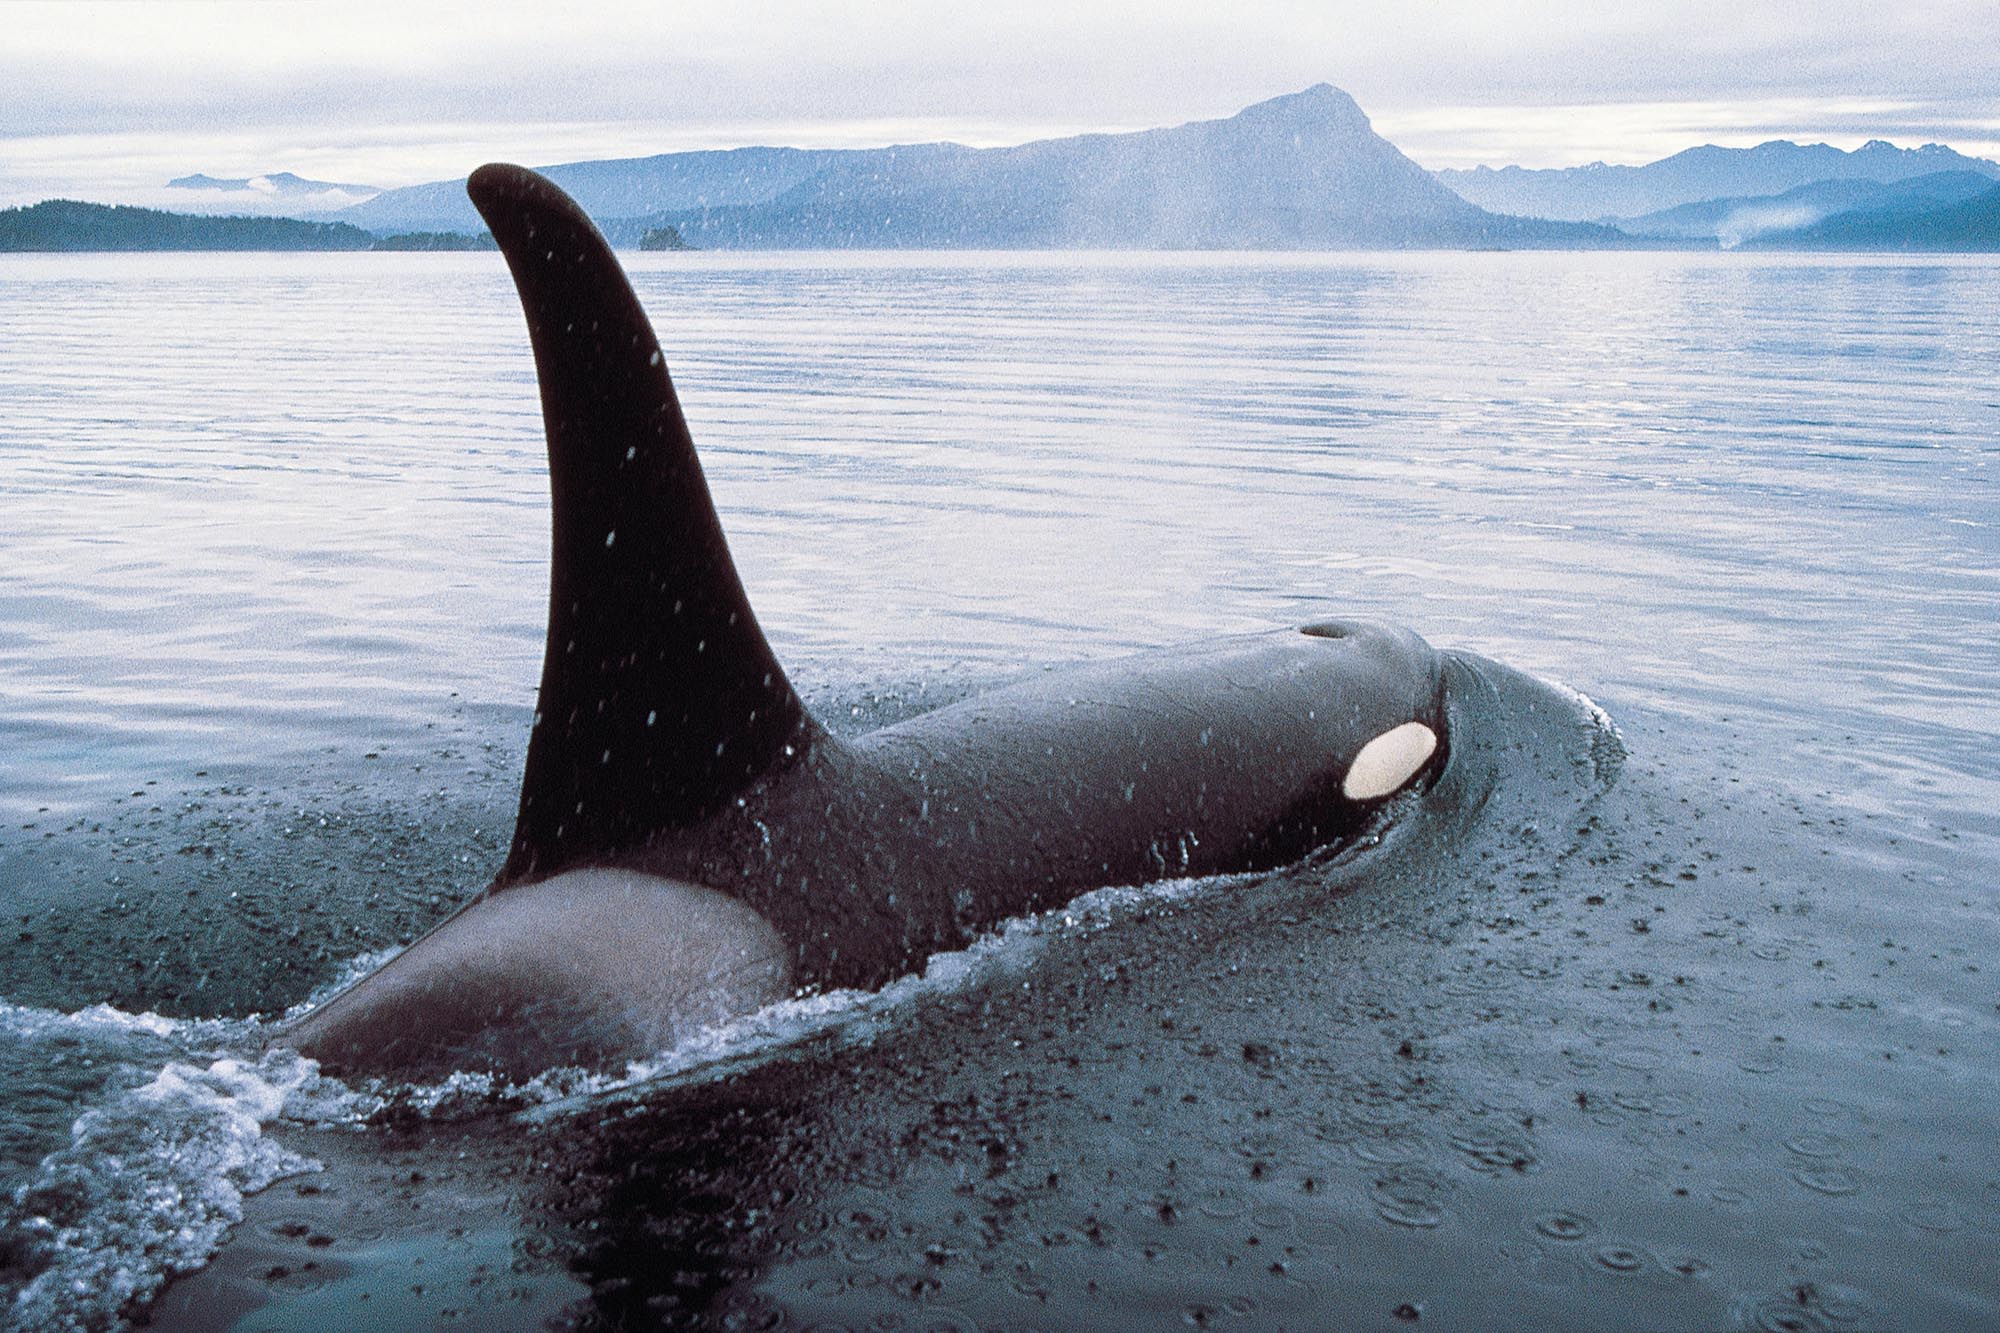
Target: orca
692,845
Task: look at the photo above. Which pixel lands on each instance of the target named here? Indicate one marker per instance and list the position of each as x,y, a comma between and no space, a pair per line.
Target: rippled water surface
260,506
272,584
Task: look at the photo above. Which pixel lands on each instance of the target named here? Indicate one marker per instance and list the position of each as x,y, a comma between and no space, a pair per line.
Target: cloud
263,201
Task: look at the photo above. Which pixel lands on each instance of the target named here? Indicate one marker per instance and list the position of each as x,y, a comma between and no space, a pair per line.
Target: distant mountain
1968,225
618,188
1734,221
1599,191
1730,220
1301,171
278,184
63,224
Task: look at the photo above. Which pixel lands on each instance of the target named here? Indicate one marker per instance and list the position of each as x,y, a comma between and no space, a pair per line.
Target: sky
107,101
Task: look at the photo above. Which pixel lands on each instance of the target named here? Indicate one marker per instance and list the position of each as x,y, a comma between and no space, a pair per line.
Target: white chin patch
1389,761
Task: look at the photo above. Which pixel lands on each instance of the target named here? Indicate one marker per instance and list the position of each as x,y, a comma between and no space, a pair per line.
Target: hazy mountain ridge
1602,192
1301,171
1734,221
618,188
1965,226
1304,170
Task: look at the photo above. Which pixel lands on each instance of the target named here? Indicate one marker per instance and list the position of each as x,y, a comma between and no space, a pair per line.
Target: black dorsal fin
660,698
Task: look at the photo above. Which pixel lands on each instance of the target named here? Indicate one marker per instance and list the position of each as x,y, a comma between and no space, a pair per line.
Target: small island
663,238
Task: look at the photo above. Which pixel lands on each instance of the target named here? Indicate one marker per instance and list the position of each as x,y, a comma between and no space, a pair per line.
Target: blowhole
1325,629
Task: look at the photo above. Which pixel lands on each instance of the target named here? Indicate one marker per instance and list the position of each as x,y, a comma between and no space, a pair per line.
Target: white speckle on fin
1389,761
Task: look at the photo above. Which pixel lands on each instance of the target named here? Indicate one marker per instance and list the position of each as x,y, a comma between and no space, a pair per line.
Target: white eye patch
1389,761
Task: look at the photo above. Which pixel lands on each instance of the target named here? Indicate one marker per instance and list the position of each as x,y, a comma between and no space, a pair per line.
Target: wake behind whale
214,1134
692,844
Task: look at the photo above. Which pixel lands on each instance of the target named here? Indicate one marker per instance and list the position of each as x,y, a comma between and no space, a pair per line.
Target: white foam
153,1178
148,1184
155,1173
25,1023
851,1017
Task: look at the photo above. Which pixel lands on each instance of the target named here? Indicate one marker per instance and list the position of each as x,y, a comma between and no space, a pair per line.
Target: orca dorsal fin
660,698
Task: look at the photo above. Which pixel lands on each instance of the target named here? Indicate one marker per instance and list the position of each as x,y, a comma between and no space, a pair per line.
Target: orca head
1400,749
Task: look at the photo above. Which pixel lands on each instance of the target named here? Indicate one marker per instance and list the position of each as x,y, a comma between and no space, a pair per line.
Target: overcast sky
109,100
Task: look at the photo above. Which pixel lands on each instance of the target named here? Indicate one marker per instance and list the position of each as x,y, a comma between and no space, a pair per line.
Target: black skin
669,742
870,855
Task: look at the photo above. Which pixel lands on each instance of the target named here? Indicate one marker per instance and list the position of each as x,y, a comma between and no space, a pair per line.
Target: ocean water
1709,1038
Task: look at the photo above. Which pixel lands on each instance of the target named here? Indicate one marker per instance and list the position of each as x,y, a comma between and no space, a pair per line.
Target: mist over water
273,582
